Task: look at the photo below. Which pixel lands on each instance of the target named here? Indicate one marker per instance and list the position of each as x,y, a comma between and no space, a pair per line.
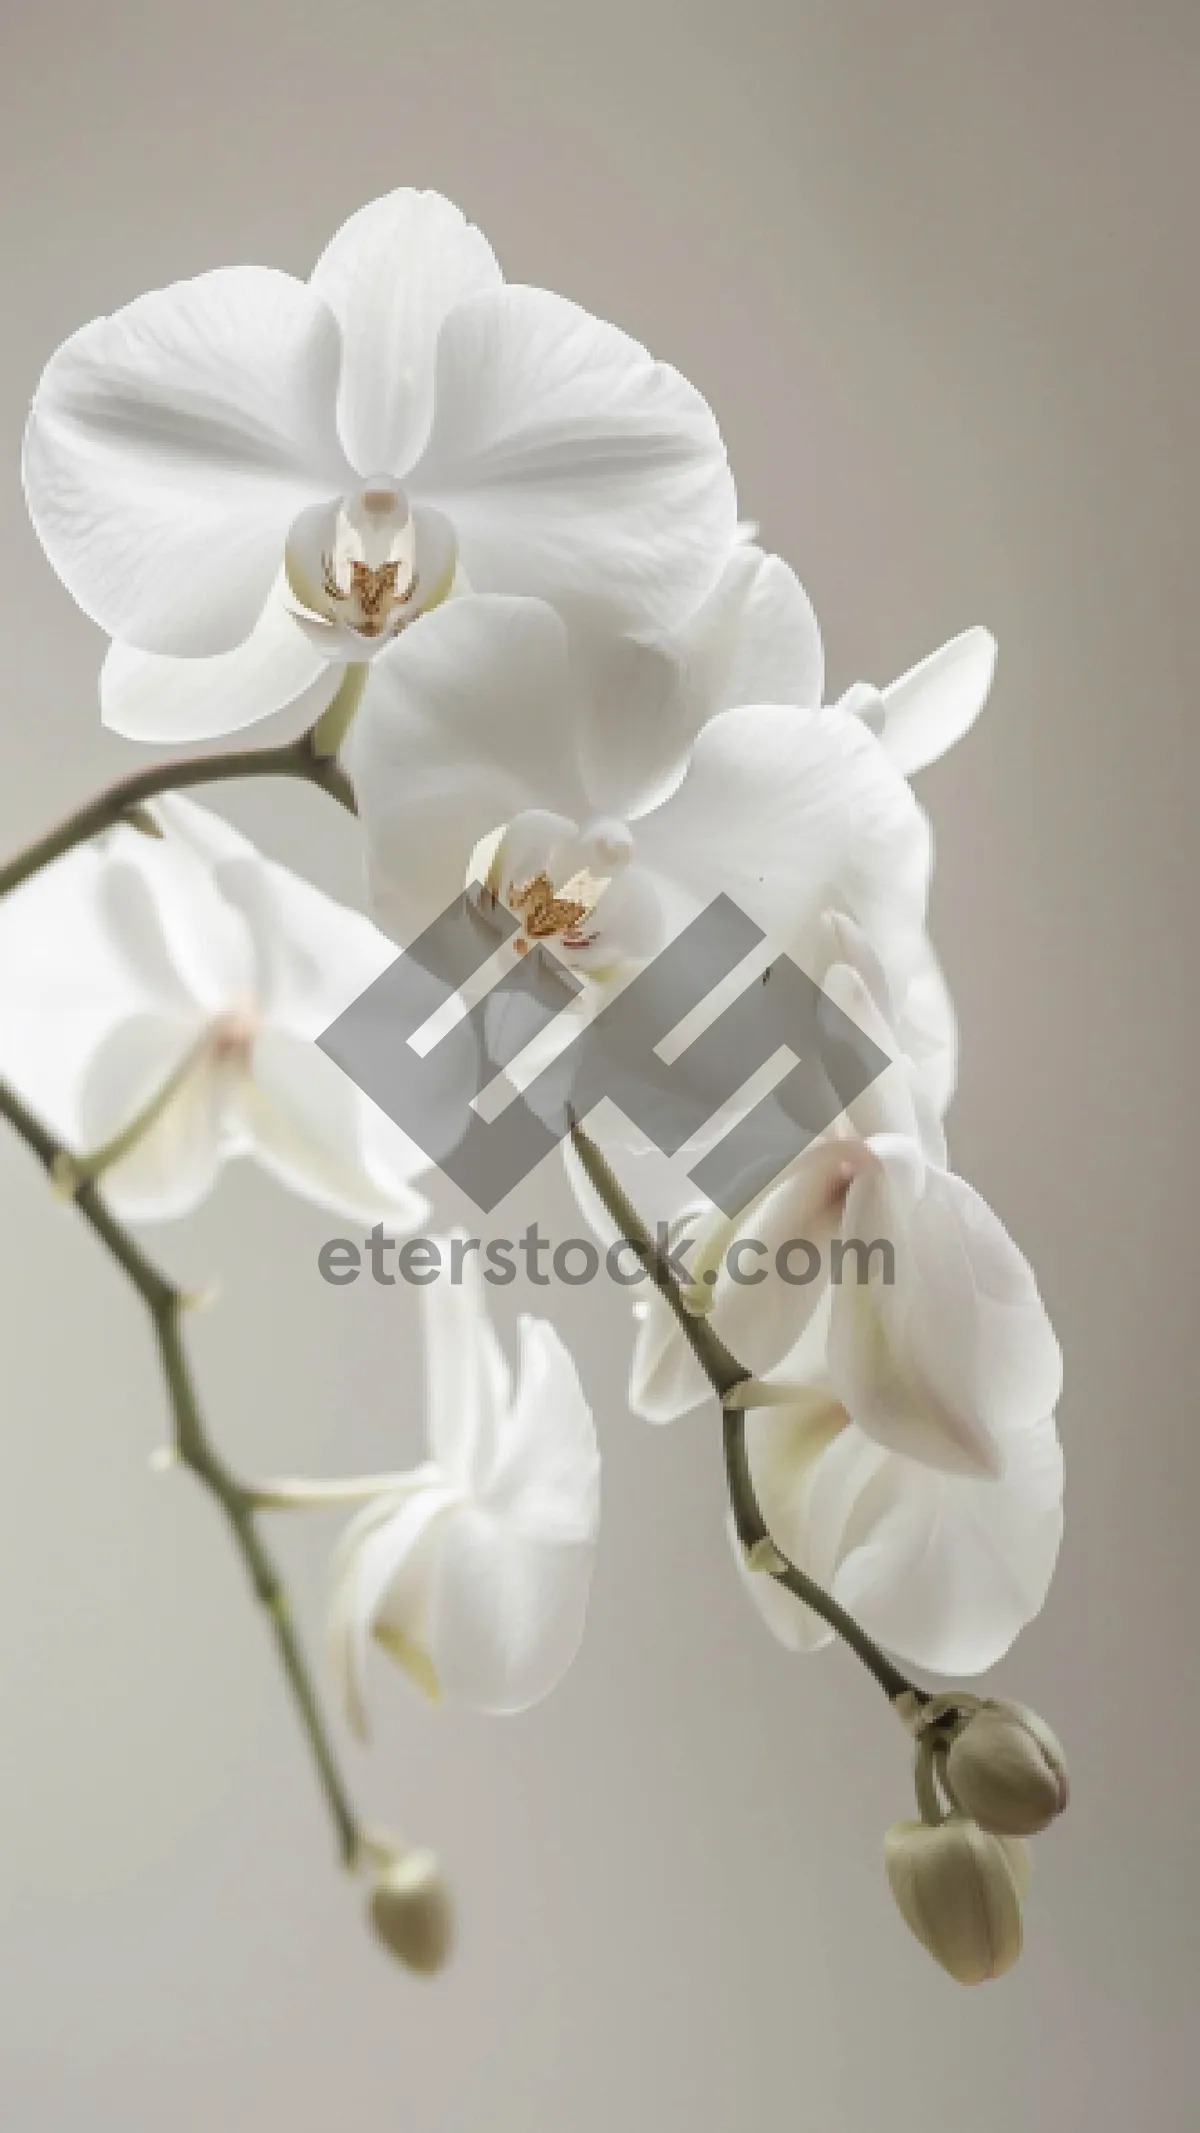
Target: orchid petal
382,1575
171,445
753,641
506,1612
572,465
931,707
174,1164
390,276
151,697
464,724
547,1473
313,1130
467,1382
957,1350
789,811
945,1570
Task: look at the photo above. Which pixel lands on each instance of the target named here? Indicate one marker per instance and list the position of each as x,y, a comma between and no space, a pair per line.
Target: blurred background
934,265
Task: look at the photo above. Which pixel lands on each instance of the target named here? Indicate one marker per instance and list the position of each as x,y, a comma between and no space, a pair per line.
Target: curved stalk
193,1448
121,802
720,1366
732,1383
752,1532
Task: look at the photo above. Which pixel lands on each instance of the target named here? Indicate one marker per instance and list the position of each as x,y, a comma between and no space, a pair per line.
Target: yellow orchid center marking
370,569
546,916
373,594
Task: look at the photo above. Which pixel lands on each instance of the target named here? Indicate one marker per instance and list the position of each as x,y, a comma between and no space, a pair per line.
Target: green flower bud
959,1890
411,1912
1007,1770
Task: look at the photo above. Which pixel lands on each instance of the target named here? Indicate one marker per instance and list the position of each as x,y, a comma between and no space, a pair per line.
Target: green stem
326,1495
725,1374
294,759
752,1528
73,1172
338,716
166,1305
720,1366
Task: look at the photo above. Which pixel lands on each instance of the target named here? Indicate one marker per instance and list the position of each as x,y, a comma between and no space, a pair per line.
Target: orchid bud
411,1912
1007,1770
959,1890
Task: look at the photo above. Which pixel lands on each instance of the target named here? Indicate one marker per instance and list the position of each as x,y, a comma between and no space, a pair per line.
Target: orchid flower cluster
482,554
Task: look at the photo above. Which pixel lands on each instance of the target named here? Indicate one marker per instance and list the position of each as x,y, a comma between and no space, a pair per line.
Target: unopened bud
959,1890
411,1912
1007,1770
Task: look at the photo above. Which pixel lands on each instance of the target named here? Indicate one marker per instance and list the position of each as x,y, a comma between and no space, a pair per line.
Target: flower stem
166,1305
336,719
725,1374
752,1529
72,1172
294,759
325,1495
720,1366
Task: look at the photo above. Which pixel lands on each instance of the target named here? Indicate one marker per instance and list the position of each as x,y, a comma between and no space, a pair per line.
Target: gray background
934,264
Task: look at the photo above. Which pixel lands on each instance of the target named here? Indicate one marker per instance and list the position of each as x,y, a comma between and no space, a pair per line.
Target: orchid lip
362,567
552,875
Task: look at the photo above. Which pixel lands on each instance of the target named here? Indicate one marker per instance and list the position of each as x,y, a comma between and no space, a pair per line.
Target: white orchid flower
606,790
472,1571
160,998
937,1339
942,1569
251,481
929,708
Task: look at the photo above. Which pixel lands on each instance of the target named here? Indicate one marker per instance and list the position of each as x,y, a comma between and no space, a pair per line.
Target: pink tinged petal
572,465
170,447
467,721
936,702
944,1570
467,1382
390,276
761,1320
151,697
957,1353
309,1127
507,1610
305,958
